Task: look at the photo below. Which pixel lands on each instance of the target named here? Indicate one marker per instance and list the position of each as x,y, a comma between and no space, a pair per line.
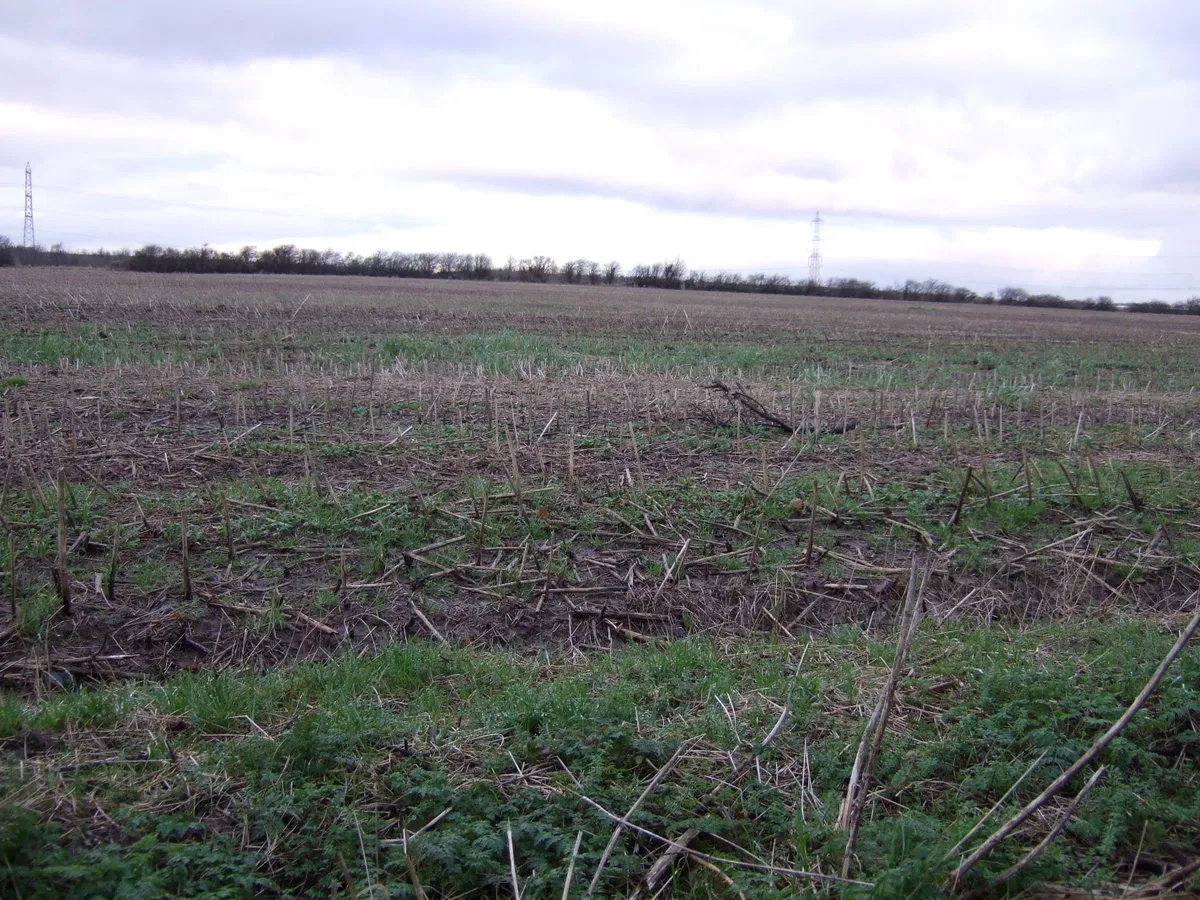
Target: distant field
492,547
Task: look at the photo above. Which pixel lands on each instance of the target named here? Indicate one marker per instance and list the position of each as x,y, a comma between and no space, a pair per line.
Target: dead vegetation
252,499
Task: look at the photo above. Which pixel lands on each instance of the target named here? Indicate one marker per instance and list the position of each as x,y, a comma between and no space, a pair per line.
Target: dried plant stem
566,892
662,773
424,620
512,863
185,552
872,739
812,526
681,848
516,471
12,574
413,878
229,548
1045,842
1134,499
1090,754
572,481
114,562
483,514
962,496
995,806
637,456
62,577
680,845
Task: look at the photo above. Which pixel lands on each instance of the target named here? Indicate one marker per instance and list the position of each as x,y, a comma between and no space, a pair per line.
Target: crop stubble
533,465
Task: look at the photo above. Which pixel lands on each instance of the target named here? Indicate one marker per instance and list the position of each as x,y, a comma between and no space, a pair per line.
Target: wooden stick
566,893
616,834
62,577
962,496
512,864
696,854
1091,753
185,550
12,573
421,617
114,563
1044,842
872,739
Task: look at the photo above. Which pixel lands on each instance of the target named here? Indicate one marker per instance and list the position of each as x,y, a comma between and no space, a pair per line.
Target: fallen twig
1045,842
424,620
872,739
738,398
697,854
1091,753
616,834
566,893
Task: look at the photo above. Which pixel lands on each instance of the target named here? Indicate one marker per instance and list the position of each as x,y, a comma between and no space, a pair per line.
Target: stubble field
382,587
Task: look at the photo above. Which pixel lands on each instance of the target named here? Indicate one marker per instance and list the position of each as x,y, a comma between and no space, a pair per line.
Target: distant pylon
814,258
28,239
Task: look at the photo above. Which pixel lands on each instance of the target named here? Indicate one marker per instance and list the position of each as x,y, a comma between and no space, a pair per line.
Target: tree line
288,259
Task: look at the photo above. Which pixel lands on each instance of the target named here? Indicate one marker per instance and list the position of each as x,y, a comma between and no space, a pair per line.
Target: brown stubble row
52,296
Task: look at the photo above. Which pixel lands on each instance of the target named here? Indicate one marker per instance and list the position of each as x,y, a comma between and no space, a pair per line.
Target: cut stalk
12,574
185,551
114,557
62,578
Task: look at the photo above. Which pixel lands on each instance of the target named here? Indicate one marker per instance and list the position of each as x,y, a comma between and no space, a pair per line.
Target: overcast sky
1052,145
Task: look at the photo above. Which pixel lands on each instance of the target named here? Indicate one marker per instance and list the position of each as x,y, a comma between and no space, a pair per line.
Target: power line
28,238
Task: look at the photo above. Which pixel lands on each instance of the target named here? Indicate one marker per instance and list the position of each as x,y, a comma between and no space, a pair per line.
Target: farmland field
395,588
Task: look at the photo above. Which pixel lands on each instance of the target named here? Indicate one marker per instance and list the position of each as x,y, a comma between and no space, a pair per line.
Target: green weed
327,763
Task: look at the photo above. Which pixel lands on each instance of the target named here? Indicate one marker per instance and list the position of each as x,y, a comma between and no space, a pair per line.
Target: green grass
36,613
302,780
1003,374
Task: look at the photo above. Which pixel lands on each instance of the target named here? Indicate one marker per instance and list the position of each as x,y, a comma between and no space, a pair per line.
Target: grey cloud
1172,168
1176,175
847,50
231,31
813,169
1078,211
657,196
121,221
